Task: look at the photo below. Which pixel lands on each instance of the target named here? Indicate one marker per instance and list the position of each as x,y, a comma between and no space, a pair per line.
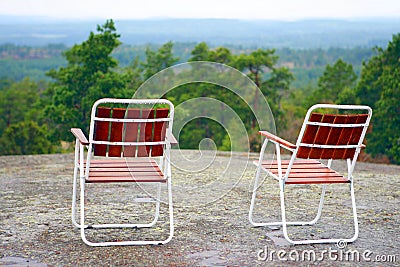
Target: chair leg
320,206
355,219
157,210
326,240
74,193
74,204
82,226
74,186
253,198
279,223
171,213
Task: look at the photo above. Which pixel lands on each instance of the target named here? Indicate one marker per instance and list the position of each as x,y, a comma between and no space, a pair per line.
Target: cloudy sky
256,9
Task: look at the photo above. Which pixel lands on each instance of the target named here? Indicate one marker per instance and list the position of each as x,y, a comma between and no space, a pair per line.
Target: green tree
380,88
17,102
5,83
200,52
256,63
90,74
370,87
274,82
20,132
336,84
25,137
276,88
220,55
260,66
158,60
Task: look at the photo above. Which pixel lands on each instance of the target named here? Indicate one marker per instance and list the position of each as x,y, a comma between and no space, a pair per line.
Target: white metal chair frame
282,176
81,170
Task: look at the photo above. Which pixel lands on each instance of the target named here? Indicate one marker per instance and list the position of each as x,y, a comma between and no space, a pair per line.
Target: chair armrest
277,139
80,136
172,139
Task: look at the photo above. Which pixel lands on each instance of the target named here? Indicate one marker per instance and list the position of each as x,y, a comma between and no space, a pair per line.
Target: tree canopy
89,75
35,117
379,88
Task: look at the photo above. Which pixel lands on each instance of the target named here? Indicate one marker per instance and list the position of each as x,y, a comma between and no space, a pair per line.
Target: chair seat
305,171
139,170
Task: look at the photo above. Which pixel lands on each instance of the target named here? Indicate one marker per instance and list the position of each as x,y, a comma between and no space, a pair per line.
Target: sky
239,9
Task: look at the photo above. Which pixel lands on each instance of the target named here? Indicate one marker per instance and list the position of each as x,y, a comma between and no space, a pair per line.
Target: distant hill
38,31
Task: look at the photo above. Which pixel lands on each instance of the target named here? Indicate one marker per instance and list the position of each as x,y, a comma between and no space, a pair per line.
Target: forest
46,90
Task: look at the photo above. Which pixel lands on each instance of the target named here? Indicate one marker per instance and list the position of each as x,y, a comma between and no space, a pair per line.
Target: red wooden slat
344,138
159,131
121,160
149,131
306,172
297,167
101,131
120,165
116,132
134,132
106,172
321,136
131,132
334,136
309,135
300,163
121,169
328,180
143,151
355,135
326,135
286,162
126,173
309,169
314,175
124,179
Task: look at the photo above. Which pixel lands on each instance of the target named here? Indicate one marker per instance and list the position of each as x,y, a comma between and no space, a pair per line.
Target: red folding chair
323,137
129,142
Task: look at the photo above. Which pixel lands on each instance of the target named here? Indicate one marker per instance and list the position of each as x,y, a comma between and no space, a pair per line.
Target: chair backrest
138,129
333,136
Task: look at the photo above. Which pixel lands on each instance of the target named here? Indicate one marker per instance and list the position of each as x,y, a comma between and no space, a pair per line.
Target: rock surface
211,200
